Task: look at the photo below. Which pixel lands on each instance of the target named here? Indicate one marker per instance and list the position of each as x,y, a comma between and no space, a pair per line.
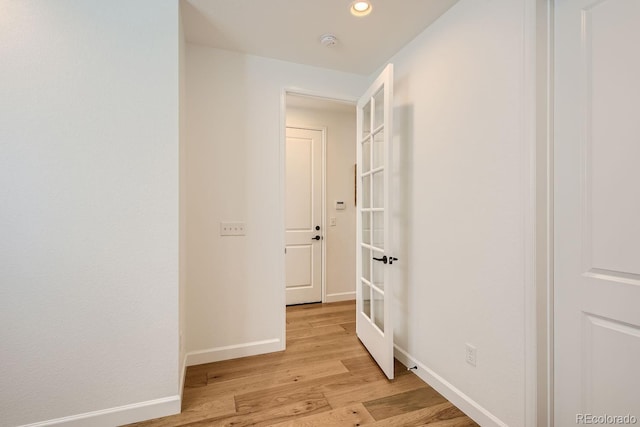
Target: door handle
316,238
383,259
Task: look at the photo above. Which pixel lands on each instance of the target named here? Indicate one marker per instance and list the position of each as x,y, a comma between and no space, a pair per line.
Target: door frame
282,191
539,231
542,302
323,190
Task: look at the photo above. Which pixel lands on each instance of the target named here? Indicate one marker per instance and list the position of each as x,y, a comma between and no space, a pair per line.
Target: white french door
374,325
597,211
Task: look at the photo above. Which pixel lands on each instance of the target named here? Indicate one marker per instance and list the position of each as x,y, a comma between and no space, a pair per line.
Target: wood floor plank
273,361
359,363
204,410
314,332
333,320
282,395
255,401
365,362
297,324
425,416
311,335
349,327
355,415
318,309
357,380
330,341
329,314
257,366
195,379
351,382
456,422
269,416
374,390
266,380
402,403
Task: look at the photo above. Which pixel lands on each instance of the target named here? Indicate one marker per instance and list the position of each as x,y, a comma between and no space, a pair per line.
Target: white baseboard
119,415
455,396
344,296
234,351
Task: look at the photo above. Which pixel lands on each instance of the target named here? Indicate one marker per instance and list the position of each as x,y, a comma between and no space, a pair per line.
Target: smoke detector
328,40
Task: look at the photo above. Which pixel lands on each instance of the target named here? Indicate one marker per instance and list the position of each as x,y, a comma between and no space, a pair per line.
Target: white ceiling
290,29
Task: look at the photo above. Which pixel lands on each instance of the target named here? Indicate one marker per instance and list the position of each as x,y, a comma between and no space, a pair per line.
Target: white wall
89,216
340,240
235,291
461,149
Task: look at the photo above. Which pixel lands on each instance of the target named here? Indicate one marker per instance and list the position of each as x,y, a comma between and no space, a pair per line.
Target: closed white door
303,210
374,253
597,211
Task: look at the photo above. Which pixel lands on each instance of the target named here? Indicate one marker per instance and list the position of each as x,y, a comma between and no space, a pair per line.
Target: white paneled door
374,238
303,211
597,211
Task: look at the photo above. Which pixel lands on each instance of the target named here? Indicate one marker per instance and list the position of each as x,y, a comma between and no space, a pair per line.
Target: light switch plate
232,228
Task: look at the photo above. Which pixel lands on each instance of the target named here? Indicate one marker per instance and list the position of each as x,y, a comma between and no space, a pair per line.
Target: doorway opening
320,211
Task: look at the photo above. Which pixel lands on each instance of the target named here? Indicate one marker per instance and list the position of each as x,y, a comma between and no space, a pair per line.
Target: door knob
315,238
391,259
383,259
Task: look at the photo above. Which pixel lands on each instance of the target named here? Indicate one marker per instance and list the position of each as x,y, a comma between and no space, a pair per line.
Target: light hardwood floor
325,377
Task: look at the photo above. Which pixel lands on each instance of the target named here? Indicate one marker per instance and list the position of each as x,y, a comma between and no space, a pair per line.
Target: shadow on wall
401,188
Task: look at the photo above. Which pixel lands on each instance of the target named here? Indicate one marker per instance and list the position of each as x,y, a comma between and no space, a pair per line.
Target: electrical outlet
471,354
232,229
332,221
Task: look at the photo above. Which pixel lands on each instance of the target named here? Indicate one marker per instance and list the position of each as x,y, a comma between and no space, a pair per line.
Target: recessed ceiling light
360,8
